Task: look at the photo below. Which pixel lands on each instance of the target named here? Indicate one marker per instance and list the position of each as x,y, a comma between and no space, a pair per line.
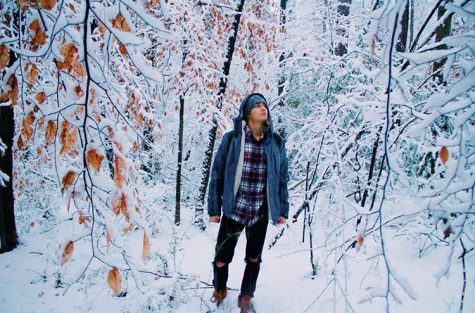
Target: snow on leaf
120,206
40,97
39,36
4,56
47,5
67,252
27,126
114,280
50,132
68,181
444,154
68,137
359,242
32,73
120,23
119,171
94,159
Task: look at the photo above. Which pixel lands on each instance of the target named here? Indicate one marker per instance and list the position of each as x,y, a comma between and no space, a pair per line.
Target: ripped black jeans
228,236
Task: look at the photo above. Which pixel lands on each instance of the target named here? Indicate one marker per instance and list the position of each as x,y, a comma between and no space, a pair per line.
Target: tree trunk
206,168
343,10
180,159
441,32
402,40
8,234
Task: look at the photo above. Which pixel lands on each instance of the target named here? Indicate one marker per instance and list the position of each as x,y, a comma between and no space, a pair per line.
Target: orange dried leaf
78,68
40,97
122,49
20,144
128,229
120,23
68,181
4,56
68,137
114,280
120,205
47,4
50,132
32,74
69,52
68,251
27,126
119,171
39,36
444,154
78,90
359,241
146,247
94,159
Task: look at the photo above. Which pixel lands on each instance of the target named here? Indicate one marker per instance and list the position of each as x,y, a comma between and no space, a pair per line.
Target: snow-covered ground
32,280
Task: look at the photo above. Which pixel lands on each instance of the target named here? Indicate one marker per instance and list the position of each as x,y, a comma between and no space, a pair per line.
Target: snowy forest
112,111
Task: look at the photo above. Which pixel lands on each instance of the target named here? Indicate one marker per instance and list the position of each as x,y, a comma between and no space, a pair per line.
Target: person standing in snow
248,186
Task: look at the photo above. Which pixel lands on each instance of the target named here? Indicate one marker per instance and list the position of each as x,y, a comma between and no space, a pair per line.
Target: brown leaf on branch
12,92
78,91
50,132
4,56
359,242
40,97
67,252
25,4
78,68
39,36
114,280
31,74
68,137
444,154
68,181
27,126
120,23
120,206
47,5
68,51
94,159
20,144
120,169
146,247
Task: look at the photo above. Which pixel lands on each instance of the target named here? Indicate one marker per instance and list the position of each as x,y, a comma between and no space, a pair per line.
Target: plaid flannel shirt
251,193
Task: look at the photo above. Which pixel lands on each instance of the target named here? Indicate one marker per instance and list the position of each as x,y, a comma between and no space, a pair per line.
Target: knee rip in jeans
220,264
255,260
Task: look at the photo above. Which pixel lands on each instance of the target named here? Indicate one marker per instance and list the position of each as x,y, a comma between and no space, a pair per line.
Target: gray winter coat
227,170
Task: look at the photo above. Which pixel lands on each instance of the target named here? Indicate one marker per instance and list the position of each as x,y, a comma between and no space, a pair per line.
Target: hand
215,219
281,221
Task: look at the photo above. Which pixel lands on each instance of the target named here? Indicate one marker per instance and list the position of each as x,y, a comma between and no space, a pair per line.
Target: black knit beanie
251,102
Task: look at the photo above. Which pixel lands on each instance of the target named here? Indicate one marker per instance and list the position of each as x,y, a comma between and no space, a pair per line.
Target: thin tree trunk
402,40
343,11
206,168
180,159
8,234
441,32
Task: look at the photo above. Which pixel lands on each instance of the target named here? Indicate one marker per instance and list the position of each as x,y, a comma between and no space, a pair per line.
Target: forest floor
32,281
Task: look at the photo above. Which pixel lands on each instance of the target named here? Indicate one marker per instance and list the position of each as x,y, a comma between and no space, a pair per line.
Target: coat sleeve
215,189
283,180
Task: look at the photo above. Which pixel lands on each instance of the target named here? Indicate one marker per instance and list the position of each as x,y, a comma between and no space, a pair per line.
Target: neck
257,128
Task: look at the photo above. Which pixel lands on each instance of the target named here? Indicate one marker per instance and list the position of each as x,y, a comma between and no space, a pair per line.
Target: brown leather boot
245,304
218,296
